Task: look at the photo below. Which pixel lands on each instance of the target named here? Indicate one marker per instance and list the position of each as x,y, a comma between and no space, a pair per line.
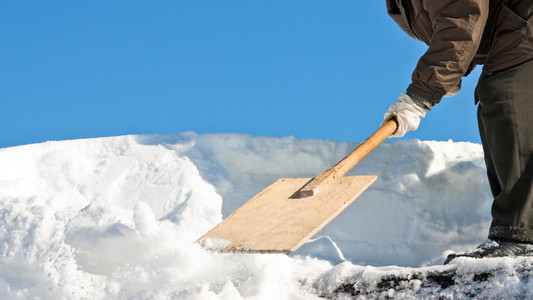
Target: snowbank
117,217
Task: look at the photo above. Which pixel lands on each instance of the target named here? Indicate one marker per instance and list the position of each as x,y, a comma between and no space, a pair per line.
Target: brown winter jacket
461,34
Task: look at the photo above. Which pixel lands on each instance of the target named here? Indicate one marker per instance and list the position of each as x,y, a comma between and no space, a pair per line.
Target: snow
116,218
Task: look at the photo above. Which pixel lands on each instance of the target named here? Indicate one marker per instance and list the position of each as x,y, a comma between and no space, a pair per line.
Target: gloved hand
407,114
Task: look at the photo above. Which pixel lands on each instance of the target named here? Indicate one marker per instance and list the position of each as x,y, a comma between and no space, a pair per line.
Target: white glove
407,114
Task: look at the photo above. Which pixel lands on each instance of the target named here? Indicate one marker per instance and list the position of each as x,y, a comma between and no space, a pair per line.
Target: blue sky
312,69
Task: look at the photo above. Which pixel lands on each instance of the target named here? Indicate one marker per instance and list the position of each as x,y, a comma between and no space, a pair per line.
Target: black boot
496,248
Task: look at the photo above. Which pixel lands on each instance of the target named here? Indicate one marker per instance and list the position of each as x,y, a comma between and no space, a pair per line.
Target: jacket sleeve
457,30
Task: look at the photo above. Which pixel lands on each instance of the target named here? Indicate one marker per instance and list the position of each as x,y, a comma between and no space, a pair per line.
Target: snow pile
90,218
118,217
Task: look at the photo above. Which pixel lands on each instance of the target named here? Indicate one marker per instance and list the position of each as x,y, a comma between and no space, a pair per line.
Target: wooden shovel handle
352,159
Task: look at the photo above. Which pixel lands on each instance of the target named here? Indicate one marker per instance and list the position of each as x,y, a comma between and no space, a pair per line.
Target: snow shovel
290,211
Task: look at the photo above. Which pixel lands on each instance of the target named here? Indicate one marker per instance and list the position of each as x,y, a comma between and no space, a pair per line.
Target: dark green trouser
505,117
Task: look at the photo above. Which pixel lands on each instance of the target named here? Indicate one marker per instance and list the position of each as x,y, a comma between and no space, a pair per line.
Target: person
497,34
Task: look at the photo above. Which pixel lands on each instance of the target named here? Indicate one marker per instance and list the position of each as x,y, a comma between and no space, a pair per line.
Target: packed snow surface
116,218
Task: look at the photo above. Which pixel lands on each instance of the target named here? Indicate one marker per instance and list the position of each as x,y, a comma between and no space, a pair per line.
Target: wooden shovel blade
277,221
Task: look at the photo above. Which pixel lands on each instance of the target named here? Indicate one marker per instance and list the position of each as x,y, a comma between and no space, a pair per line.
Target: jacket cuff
420,101
427,97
